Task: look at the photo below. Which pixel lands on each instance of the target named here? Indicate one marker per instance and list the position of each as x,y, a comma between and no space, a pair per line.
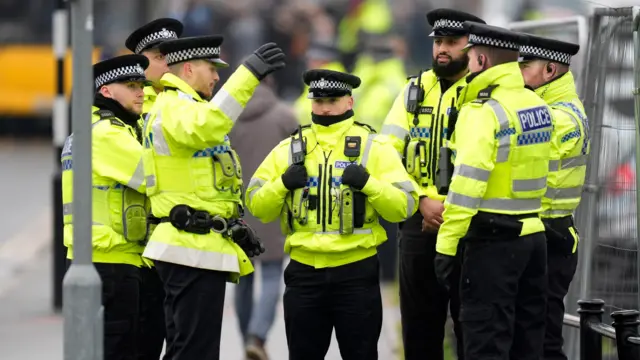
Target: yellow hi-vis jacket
502,148
150,96
569,148
302,105
188,160
385,80
429,126
317,242
119,206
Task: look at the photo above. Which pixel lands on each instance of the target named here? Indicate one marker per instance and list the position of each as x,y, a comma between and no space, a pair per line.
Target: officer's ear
550,70
105,91
350,101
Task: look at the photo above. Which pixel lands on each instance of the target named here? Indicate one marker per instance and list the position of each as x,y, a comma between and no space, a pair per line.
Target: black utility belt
184,217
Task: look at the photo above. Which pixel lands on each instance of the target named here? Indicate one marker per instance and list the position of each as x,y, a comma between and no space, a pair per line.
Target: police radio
445,165
298,150
300,208
415,96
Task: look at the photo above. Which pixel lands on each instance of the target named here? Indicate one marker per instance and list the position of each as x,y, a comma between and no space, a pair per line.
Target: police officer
545,68
502,148
145,41
119,203
194,183
329,183
419,123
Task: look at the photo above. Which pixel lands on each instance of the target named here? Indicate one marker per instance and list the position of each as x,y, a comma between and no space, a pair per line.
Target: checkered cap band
163,34
323,84
447,24
119,73
195,53
539,52
487,41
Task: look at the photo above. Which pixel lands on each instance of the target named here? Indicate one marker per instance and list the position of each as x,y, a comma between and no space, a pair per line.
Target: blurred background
383,42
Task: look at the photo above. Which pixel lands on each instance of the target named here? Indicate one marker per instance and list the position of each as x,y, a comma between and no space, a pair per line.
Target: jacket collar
562,87
170,81
328,136
505,75
149,93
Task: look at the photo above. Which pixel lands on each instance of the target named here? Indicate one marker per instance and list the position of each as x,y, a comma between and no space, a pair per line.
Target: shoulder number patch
534,118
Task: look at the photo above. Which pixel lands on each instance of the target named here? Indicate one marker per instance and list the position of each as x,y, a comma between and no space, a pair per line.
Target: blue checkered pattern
505,132
67,164
336,181
420,132
571,135
534,138
312,181
583,120
208,152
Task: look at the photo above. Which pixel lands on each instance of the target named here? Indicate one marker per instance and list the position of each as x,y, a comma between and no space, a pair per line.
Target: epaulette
300,127
367,126
105,114
484,95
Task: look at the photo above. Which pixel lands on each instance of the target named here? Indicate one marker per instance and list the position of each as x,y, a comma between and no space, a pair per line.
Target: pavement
31,330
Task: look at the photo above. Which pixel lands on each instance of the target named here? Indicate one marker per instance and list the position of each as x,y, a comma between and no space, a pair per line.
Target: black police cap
150,35
120,69
449,22
493,36
328,83
194,48
538,47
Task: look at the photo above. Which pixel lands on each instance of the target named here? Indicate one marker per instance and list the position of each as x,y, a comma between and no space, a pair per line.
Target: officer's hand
265,60
295,177
356,176
444,265
431,211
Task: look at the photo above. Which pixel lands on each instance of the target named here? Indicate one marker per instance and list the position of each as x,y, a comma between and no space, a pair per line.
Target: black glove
267,59
247,239
356,176
444,265
295,177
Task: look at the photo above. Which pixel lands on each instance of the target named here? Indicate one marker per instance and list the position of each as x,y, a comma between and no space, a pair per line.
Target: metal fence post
60,120
626,324
82,293
590,341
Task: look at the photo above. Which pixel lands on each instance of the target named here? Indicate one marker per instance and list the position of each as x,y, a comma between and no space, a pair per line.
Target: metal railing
624,330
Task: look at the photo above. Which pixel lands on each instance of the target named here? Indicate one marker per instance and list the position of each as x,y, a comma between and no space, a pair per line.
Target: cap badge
322,83
139,68
165,33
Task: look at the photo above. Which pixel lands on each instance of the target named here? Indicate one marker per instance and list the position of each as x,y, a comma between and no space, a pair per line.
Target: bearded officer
194,183
419,124
502,148
119,204
545,68
329,183
145,41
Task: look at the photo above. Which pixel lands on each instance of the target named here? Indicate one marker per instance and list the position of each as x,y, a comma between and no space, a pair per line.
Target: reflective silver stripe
255,182
367,149
556,213
504,143
227,104
151,180
530,184
472,172
159,142
67,209
138,177
407,187
512,204
455,198
96,223
564,193
355,231
394,130
200,259
493,204
568,163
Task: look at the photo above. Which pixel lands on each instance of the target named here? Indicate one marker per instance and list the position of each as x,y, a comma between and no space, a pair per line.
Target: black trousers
423,301
121,299
346,298
503,294
193,309
561,266
152,323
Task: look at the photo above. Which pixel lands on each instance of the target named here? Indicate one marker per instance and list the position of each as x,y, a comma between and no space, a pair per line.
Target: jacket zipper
324,193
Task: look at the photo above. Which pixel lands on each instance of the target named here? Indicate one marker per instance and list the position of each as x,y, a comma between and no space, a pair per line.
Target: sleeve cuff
447,247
